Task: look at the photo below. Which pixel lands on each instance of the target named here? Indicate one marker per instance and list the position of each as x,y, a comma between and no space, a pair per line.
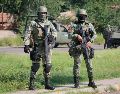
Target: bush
65,20
99,40
16,41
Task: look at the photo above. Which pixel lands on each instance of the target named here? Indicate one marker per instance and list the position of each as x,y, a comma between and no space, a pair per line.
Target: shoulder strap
36,20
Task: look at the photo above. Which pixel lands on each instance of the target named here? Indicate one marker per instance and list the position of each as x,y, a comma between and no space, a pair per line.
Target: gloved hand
89,45
51,39
26,49
79,38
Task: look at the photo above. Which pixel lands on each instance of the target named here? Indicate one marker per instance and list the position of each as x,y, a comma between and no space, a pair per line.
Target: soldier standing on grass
83,34
36,34
106,36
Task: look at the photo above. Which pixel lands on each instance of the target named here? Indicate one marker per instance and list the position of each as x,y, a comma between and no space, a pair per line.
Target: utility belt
76,50
51,40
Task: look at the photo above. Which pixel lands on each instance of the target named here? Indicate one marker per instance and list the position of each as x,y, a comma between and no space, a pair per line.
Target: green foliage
64,20
99,40
15,41
15,69
13,76
53,7
100,12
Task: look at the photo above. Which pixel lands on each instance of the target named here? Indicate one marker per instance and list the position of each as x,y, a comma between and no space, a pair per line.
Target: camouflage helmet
42,9
82,12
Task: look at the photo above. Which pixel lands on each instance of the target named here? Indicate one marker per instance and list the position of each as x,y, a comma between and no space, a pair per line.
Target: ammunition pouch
91,54
35,56
75,51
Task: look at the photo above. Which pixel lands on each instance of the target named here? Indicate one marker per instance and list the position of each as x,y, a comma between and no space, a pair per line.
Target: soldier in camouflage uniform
82,30
106,36
36,34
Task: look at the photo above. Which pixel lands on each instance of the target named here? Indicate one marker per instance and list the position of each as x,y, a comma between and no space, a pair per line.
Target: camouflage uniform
35,35
106,36
87,30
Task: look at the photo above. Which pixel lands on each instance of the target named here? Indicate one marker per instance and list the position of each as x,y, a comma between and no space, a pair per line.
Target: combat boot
31,86
92,84
47,84
76,82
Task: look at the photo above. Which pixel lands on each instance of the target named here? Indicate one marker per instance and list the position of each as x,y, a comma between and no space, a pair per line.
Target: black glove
51,39
26,49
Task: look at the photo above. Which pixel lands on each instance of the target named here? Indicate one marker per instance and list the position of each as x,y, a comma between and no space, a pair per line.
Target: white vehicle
62,35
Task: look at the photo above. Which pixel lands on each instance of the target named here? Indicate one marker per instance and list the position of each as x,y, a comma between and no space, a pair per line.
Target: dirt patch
107,86
6,33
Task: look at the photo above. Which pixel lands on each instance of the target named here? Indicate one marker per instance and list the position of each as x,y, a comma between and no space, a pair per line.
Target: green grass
15,41
18,41
99,40
15,69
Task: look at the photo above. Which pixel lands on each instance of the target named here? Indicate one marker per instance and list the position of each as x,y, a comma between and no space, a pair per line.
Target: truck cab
114,40
62,34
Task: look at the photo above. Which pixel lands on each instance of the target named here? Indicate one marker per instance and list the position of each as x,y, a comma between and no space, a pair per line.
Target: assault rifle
83,46
89,52
35,55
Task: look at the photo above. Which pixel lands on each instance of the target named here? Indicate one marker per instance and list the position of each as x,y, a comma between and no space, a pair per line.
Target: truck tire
56,45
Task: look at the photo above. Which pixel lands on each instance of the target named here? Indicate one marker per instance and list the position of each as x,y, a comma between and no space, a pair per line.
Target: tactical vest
84,30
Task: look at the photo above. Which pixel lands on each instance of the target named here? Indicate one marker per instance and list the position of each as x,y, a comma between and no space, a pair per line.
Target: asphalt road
20,50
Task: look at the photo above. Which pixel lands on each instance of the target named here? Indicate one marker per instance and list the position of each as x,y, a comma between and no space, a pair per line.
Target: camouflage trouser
106,42
36,63
76,67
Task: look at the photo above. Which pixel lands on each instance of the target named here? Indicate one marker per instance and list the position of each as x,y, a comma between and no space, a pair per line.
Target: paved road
19,50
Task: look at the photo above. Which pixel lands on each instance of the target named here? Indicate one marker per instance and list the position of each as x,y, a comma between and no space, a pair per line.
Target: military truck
62,34
114,40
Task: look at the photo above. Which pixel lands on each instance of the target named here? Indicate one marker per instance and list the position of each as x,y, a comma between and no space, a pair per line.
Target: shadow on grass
62,79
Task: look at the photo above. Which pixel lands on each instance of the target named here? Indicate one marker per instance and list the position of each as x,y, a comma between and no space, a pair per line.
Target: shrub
15,41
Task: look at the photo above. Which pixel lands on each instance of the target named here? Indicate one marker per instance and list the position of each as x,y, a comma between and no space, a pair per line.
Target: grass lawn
15,69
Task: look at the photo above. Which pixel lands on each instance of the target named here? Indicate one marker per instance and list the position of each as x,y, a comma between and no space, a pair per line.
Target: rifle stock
46,43
83,46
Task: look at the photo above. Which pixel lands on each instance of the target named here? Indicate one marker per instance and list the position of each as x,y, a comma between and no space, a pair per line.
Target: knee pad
35,67
47,67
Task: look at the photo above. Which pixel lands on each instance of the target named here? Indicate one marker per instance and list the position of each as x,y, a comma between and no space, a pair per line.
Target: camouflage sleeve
93,35
54,31
27,35
74,33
